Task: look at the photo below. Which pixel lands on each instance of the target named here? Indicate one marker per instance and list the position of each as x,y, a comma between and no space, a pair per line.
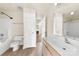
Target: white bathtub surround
29,19
58,24
6,32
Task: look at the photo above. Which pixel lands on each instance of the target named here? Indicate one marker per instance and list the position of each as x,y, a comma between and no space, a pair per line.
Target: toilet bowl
15,44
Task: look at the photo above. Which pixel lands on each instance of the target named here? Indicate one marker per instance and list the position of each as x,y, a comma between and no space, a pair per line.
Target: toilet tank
19,38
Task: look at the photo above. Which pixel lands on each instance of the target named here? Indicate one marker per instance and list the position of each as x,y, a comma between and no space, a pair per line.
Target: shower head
11,17
7,15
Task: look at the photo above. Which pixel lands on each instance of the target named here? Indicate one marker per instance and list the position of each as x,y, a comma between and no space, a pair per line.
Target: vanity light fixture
55,4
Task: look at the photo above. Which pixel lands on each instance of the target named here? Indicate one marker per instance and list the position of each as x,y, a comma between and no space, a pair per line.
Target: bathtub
63,48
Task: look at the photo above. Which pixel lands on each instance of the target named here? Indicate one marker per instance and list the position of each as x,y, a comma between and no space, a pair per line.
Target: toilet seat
15,45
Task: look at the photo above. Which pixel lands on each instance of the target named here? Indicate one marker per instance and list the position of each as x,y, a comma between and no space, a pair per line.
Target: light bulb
72,13
55,4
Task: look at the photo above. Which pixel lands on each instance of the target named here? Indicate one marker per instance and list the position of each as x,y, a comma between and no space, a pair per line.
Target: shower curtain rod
7,15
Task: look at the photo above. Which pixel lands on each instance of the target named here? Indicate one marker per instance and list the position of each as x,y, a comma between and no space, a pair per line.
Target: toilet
15,44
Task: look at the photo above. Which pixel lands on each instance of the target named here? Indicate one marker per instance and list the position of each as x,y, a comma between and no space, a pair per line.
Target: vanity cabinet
48,50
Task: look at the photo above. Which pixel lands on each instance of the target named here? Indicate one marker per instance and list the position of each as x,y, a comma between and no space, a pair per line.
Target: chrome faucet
66,41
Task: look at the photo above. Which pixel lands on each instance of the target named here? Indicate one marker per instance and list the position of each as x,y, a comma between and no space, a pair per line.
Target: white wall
72,28
49,24
18,22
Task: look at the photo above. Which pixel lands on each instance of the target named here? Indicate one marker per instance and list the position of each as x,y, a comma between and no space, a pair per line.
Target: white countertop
70,50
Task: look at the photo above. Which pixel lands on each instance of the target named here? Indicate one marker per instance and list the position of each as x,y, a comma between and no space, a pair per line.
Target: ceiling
45,8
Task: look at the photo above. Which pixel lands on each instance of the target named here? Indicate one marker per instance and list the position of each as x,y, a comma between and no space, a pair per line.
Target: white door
29,29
